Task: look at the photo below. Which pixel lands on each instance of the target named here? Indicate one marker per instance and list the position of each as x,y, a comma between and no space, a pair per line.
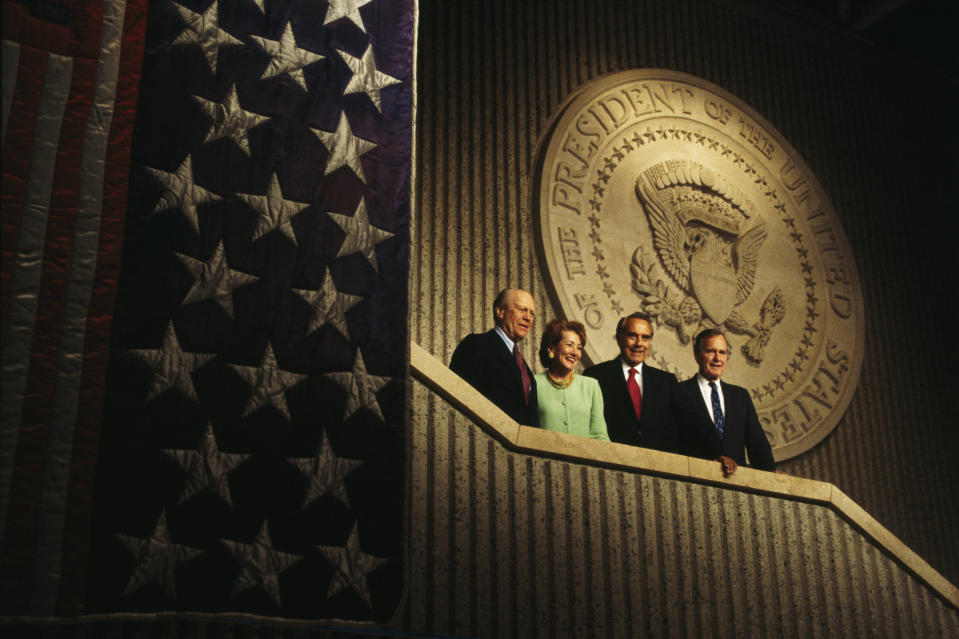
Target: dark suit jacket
483,360
742,432
655,427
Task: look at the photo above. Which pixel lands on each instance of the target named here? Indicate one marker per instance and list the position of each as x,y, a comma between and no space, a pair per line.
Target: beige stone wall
504,544
874,131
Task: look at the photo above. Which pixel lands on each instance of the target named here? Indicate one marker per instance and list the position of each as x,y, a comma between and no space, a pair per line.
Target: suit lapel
650,382
508,360
705,438
733,407
697,396
498,347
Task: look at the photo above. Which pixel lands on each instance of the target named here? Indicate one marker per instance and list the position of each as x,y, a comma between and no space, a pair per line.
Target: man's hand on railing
728,463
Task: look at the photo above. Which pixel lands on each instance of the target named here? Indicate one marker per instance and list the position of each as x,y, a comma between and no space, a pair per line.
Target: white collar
704,383
627,366
510,344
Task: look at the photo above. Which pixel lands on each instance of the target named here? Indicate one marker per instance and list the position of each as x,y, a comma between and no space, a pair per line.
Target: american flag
204,296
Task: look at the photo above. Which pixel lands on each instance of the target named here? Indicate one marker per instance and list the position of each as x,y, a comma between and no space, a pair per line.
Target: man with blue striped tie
718,419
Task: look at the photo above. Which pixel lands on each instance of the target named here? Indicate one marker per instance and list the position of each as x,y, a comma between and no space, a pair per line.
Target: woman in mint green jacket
566,402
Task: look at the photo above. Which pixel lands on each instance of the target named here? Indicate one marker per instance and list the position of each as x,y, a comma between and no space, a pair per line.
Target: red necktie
634,393
522,372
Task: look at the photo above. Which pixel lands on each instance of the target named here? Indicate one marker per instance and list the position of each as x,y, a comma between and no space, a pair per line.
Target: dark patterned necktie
634,393
522,372
718,418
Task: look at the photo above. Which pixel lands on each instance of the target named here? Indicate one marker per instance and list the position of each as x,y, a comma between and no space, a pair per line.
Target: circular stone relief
659,192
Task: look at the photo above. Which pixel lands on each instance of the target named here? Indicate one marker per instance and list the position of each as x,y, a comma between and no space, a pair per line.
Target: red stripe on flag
17,149
34,440
19,26
36,38
100,315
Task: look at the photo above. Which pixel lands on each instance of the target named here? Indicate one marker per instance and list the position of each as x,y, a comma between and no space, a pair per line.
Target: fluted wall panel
875,131
504,544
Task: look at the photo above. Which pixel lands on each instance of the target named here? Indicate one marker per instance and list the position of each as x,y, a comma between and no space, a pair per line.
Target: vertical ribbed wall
876,135
510,545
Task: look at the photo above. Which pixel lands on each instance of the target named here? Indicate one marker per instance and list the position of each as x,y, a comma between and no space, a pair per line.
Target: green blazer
576,410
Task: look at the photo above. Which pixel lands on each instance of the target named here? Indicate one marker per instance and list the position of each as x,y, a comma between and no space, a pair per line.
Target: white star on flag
274,211
346,9
366,79
204,31
181,192
361,236
260,564
215,280
351,566
230,120
344,148
268,383
360,387
325,472
329,305
206,468
172,367
157,559
286,56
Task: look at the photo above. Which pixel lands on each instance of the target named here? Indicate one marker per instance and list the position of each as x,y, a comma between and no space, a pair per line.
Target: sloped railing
535,441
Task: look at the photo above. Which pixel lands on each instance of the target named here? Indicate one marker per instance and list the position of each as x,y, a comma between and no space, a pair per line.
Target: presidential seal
660,192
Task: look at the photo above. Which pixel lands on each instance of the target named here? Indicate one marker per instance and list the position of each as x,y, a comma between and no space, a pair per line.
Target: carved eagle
678,244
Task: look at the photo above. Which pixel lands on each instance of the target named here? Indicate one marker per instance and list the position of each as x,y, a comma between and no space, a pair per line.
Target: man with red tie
492,363
637,397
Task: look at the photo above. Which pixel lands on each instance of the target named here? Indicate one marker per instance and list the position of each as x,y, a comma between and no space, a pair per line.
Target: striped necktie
718,417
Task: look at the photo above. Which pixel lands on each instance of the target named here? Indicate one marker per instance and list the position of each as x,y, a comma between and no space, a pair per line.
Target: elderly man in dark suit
492,363
718,419
636,396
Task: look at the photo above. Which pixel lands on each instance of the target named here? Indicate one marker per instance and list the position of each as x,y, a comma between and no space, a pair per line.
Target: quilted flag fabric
205,262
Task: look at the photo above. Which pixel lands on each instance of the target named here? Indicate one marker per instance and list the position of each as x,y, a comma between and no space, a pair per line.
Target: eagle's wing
668,234
745,256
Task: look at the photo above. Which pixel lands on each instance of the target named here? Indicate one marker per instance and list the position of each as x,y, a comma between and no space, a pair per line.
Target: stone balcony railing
518,531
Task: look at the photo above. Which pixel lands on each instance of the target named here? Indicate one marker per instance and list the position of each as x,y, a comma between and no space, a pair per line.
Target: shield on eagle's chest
714,285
